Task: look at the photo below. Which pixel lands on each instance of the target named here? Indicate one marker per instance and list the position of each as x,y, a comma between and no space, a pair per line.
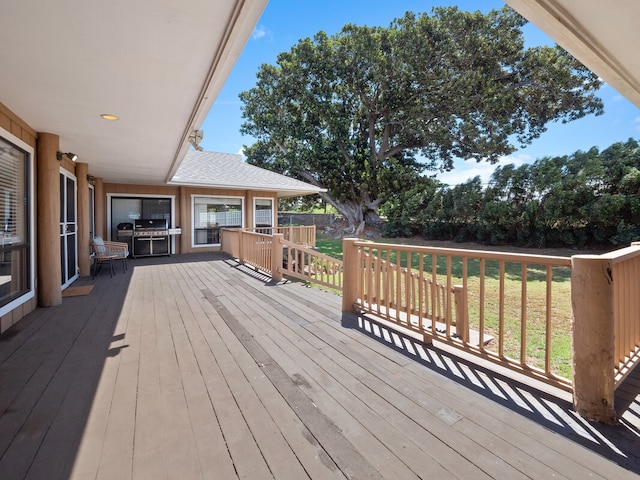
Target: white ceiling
157,64
603,35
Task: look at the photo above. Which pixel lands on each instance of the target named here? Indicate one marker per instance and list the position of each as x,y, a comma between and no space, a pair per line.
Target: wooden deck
187,367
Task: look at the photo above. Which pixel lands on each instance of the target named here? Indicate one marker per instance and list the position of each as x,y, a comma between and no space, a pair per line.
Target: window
212,213
16,269
263,212
129,209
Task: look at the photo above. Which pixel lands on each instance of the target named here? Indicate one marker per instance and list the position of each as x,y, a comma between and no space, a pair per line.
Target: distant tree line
585,199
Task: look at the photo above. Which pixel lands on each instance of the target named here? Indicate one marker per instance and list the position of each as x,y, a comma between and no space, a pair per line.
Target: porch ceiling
602,35
156,65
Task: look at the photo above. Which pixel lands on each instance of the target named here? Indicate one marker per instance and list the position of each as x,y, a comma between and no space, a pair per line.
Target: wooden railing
307,264
301,235
256,250
502,307
230,238
276,256
573,323
230,241
606,328
626,311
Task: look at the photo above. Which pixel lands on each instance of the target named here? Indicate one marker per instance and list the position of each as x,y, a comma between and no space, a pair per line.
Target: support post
350,275
184,209
49,269
84,229
592,292
100,209
276,257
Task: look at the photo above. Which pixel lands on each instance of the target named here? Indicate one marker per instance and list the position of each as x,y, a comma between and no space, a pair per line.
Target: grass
330,247
534,310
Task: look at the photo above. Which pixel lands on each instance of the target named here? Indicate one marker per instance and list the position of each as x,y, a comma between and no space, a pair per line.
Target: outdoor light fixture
71,156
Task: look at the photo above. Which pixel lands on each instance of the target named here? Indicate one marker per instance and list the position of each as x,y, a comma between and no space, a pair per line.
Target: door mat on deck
77,291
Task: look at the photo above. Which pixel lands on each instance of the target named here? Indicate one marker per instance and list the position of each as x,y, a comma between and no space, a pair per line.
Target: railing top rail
618,256
555,261
267,235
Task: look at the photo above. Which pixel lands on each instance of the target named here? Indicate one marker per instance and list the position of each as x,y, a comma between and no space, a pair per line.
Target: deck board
400,419
188,367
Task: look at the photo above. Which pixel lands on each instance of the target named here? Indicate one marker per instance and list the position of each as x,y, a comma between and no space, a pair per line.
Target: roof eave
240,29
281,192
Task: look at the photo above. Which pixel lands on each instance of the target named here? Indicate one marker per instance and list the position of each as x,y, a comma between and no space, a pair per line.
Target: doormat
77,291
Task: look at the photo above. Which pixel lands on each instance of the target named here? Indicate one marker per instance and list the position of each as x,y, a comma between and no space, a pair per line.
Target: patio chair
105,251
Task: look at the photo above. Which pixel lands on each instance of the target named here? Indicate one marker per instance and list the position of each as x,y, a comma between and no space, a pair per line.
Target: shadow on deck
186,367
620,443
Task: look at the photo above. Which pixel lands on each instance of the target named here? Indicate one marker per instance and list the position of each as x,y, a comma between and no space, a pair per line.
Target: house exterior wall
13,124
183,207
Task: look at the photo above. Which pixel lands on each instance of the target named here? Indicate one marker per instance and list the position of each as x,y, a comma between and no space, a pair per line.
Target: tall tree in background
365,112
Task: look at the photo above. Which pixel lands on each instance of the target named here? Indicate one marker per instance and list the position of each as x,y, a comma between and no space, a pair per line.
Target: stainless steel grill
150,237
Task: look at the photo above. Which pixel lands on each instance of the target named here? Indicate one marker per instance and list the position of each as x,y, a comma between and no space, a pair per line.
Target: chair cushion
98,245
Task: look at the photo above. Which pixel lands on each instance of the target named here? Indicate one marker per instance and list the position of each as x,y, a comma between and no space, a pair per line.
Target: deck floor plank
325,365
211,447
390,406
489,419
266,416
438,417
187,367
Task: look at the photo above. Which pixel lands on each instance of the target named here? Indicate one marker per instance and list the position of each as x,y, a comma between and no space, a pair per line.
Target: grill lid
151,224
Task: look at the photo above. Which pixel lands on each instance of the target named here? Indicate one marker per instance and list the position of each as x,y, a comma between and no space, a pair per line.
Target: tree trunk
352,212
355,212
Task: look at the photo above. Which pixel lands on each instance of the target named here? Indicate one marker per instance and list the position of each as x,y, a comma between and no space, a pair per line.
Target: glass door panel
68,229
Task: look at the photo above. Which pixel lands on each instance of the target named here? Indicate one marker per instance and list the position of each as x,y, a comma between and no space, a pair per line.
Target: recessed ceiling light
108,116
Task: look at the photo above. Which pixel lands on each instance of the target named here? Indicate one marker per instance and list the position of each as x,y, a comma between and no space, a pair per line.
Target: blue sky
284,22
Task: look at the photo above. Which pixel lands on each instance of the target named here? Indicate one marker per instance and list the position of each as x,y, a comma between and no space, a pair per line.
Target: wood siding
16,126
10,122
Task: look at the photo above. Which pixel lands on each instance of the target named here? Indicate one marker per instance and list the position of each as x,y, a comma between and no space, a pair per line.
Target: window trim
29,150
273,211
193,224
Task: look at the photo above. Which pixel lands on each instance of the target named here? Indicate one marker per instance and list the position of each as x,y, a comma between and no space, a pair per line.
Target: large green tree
364,112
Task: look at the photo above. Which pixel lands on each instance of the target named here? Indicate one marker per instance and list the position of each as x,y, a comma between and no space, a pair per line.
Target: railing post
276,257
350,274
462,320
313,236
593,337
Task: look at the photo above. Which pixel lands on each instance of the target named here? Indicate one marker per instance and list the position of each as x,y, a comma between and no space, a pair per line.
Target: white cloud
467,169
259,32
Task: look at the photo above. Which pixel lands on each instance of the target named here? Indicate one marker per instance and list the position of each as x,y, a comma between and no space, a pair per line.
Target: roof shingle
229,171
